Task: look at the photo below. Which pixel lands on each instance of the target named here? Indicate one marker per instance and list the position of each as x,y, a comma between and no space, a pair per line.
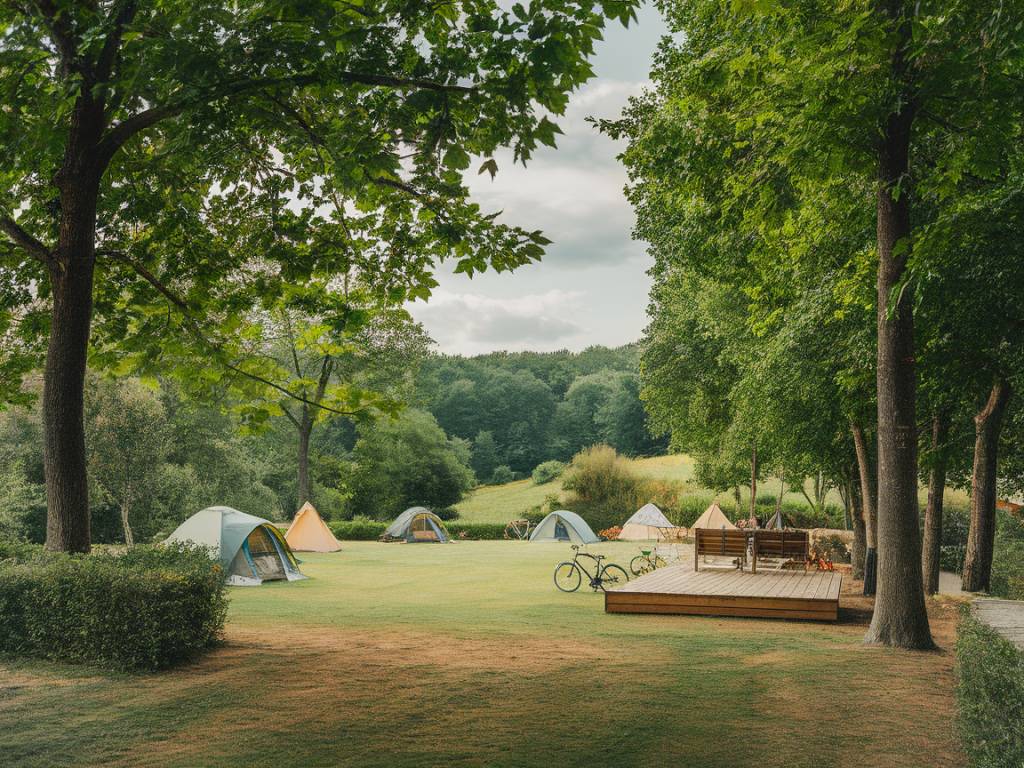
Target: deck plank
780,594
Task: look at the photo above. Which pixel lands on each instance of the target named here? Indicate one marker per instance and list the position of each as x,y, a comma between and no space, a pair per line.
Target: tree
127,439
485,455
134,119
406,462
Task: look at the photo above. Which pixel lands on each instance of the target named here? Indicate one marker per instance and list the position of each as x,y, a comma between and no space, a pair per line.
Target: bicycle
569,575
646,562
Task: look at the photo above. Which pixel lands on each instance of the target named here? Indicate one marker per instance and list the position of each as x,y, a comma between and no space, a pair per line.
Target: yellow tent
309,533
713,518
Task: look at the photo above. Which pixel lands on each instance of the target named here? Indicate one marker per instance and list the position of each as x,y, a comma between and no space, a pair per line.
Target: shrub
547,471
610,534
358,529
502,475
990,696
447,513
479,531
147,609
1008,569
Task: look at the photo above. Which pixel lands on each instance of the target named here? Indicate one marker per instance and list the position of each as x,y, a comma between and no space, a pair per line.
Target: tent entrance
560,531
264,555
423,529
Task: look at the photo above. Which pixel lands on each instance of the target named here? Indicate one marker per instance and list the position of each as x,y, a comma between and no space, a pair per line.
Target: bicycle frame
595,577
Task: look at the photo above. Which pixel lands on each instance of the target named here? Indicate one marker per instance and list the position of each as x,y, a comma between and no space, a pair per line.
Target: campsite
505,384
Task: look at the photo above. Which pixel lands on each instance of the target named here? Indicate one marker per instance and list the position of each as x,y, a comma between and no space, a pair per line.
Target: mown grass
466,655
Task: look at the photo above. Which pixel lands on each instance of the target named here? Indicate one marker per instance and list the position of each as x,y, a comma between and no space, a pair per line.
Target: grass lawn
397,655
501,503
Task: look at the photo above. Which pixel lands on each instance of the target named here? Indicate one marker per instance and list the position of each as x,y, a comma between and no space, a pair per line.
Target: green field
397,655
501,503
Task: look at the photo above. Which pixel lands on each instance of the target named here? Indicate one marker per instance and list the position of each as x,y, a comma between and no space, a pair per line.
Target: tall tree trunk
933,512
305,490
129,539
71,282
859,548
739,501
980,539
753,483
869,508
782,489
900,618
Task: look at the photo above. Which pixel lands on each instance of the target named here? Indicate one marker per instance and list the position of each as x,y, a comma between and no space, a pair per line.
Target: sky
591,286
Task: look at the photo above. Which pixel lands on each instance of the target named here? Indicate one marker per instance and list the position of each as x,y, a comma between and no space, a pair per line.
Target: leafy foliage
149,609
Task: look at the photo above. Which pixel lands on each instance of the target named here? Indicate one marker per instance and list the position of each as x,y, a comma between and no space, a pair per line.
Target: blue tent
417,524
563,525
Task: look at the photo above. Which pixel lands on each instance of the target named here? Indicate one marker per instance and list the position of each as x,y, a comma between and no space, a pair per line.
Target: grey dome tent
251,549
563,525
417,524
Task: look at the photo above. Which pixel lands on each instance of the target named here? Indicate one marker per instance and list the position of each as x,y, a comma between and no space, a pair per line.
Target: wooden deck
778,595
1004,616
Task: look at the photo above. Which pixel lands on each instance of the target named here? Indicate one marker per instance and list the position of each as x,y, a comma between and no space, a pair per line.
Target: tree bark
933,512
753,483
859,548
869,508
900,618
782,489
980,539
129,539
305,492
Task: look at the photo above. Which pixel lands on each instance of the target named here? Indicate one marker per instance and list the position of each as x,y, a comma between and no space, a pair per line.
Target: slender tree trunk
933,512
305,491
129,540
980,539
753,483
782,489
859,548
739,501
869,513
900,618
71,283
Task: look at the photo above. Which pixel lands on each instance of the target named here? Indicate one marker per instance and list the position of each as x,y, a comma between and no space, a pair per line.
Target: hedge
358,529
990,695
488,531
147,609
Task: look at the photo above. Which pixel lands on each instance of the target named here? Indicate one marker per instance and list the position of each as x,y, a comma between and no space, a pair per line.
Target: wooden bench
727,542
781,546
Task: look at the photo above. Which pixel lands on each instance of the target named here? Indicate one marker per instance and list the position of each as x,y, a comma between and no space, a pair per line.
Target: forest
157,454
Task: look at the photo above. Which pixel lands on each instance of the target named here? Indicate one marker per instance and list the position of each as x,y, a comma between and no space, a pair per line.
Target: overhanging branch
24,240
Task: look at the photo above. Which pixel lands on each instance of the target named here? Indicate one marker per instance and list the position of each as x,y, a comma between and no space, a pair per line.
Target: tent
648,522
251,550
563,525
417,524
713,518
776,522
309,533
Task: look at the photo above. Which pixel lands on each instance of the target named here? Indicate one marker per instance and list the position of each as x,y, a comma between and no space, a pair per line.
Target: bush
478,531
447,513
1008,569
358,529
502,475
547,471
990,696
147,609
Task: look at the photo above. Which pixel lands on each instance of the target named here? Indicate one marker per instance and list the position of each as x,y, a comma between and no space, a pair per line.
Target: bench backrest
725,542
781,544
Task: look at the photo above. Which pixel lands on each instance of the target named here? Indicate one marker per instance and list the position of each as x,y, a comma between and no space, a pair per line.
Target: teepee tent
251,550
776,522
309,533
713,518
417,524
648,522
564,525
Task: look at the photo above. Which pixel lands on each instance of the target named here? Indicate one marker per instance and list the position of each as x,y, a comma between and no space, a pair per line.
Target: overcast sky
591,287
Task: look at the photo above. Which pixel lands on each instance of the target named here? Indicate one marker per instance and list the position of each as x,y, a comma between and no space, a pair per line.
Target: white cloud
473,322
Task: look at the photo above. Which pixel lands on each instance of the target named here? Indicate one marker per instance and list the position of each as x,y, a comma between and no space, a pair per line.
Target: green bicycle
569,575
647,561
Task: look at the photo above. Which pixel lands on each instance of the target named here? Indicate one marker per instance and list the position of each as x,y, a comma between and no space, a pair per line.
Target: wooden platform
778,595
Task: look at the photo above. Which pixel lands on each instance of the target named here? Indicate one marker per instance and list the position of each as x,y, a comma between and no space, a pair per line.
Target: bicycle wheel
567,577
638,565
659,561
613,576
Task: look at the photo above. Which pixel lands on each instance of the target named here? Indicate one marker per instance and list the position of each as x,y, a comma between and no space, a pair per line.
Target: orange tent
309,533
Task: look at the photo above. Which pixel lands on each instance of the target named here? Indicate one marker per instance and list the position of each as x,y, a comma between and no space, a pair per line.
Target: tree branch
25,241
196,331
59,26
127,128
121,16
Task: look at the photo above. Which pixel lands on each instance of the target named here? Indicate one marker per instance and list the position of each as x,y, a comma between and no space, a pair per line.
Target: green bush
148,609
547,471
358,529
479,531
990,696
1008,569
502,475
